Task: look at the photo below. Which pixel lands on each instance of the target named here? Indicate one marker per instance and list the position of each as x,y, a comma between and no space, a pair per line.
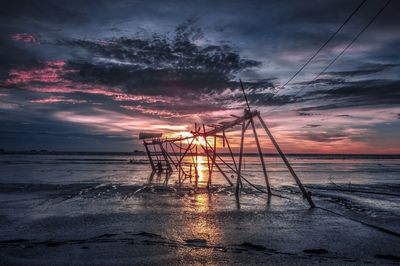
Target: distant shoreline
141,153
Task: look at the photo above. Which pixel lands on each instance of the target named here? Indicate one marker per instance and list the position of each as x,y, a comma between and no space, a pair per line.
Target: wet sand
105,224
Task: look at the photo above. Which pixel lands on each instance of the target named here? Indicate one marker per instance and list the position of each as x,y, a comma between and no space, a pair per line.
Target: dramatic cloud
366,70
158,65
352,94
104,71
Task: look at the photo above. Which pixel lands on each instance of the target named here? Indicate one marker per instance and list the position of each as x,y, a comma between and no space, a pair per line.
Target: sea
135,169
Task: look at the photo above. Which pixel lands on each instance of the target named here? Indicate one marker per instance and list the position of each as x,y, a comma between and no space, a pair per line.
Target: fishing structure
182,153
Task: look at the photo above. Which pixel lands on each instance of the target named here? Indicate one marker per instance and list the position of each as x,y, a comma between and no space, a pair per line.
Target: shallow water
67,169
106,210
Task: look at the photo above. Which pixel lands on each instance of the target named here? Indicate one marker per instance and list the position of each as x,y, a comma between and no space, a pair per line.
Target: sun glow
202,170
199,141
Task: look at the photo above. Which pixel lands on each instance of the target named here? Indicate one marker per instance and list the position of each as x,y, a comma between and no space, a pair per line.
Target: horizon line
137,152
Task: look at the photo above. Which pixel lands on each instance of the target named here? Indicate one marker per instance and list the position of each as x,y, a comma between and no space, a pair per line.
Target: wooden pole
261,156
218,167
155,152
178,166
196,169
192,156
187,149
149,155
285,160
214,157
240,160
223,138
190,173
230,151
173,150
165,154
208,158
180,154
241,176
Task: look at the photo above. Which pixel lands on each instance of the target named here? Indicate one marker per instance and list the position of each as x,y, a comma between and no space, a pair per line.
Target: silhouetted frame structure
182,153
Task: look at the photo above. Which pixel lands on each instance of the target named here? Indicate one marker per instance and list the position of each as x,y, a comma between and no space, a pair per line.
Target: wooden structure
158,157
183,153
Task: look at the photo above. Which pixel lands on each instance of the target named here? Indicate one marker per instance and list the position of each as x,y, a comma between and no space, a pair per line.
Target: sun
199,141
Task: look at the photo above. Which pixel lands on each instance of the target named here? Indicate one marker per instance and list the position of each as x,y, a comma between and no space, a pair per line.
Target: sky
90,75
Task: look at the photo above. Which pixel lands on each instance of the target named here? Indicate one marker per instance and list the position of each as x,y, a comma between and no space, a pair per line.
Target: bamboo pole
285,160
230,151
187,149
227,164
173,150
236,171
177,165
190,173
218,167
180,165
261,156
164,154
196,169
240,160
213,158
223,138
149,155
192,164
208,159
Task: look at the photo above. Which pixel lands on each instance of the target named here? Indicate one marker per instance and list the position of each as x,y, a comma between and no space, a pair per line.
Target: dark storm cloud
158,65
43,10
356,93
270,98
366,70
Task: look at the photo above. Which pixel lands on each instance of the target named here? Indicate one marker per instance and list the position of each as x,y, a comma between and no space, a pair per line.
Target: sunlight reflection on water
117,169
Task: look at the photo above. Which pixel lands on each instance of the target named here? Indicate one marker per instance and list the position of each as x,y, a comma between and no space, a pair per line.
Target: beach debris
388,257
146,234
252,246
316,251
197,242
106,235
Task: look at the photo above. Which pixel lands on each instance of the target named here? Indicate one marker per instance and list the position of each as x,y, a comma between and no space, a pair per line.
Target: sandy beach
103,223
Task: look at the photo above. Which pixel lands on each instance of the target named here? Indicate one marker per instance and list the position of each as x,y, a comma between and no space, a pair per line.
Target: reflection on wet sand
159,178
202,169
203,229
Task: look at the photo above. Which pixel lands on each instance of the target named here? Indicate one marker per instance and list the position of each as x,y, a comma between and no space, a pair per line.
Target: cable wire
326,42
342,52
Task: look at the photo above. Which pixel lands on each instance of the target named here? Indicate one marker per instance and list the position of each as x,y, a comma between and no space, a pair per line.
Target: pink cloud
143,98
110,121
153,111
50,72
57,99
24,37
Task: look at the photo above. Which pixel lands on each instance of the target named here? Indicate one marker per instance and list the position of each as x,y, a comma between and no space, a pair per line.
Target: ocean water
125,169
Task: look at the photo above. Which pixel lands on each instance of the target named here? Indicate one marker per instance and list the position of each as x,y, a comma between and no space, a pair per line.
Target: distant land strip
138,153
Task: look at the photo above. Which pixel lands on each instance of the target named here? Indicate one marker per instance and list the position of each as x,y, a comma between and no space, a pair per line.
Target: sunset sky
90,75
